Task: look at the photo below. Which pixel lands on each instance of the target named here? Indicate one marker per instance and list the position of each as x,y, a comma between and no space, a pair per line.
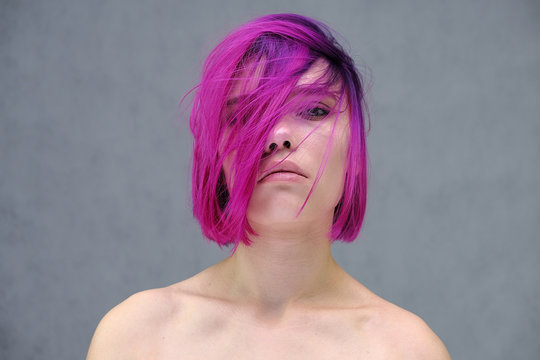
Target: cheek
227,162
333,179
229,177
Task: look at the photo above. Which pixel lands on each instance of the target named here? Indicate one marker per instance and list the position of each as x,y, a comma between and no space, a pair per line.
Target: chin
281,209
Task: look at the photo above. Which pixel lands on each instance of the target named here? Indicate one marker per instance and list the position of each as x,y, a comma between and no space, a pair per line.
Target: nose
286,144
280,138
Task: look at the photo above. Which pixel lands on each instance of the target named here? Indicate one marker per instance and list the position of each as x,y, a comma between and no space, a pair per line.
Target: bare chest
207,334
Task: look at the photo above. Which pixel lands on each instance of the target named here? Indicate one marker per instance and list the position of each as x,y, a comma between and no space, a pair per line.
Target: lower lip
283,176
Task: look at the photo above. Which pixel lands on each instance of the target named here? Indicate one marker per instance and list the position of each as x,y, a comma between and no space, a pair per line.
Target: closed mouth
280,171
286,166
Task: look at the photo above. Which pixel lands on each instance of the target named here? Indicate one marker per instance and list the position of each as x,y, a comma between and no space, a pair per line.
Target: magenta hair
267,56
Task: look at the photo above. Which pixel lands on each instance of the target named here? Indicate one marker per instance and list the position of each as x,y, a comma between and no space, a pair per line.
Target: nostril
273,146
287,144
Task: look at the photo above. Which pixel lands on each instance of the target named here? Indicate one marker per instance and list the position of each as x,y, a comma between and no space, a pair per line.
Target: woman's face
277,198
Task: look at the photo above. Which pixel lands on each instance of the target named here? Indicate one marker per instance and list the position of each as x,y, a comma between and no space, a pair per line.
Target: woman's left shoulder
409,334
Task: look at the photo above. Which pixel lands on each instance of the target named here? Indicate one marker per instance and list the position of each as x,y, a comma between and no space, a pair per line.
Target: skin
290,261
285,296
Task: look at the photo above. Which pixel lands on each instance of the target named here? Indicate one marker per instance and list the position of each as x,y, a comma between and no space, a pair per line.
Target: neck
281,268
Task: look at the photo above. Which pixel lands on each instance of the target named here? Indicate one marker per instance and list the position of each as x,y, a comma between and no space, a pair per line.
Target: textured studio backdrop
94,169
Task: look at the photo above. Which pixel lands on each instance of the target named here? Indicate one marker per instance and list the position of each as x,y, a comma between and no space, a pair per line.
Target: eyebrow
294,92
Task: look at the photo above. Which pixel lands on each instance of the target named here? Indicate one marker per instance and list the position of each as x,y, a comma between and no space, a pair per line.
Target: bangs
250,81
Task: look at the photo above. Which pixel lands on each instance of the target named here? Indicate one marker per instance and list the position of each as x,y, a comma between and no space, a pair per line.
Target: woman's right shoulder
148,306
128,327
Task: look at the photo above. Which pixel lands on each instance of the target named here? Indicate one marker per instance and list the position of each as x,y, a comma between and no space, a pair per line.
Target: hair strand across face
265,58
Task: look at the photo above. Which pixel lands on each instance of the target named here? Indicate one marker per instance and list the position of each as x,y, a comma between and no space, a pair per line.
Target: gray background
94,183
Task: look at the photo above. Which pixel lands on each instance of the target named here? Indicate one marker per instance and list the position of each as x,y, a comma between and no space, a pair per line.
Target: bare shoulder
407,334
129,327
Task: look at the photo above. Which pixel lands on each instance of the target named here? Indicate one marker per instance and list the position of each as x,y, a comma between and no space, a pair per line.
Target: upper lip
281,166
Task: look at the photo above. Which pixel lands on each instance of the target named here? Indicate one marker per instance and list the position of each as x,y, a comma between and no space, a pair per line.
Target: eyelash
305,113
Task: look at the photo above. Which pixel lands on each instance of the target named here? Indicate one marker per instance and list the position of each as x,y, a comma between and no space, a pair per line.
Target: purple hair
272,51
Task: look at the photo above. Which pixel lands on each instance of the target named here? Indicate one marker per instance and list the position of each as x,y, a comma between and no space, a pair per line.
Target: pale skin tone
285,297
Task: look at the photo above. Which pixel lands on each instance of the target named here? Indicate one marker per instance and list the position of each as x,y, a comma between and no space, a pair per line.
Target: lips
285,166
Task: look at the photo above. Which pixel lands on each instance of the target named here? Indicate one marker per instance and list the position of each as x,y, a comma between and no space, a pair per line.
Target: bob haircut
265,58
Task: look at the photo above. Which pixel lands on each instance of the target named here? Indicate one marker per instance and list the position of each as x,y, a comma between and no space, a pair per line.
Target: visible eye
229,116
315,113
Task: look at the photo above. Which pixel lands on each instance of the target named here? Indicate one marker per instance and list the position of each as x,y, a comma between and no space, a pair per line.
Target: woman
279,173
